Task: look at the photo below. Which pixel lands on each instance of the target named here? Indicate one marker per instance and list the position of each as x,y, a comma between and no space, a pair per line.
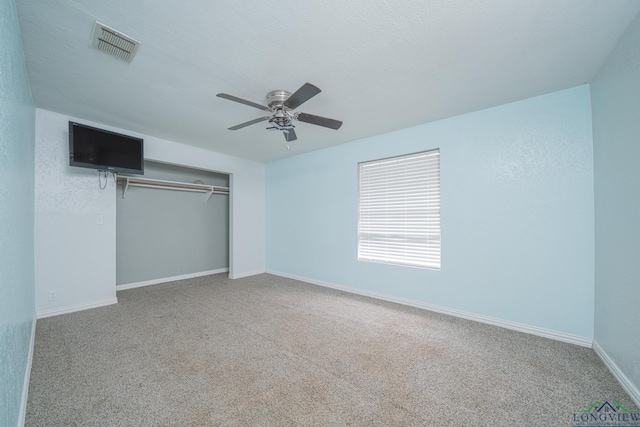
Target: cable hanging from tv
106,178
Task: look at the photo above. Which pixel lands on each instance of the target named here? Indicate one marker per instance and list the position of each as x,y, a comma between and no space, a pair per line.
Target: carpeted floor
269,351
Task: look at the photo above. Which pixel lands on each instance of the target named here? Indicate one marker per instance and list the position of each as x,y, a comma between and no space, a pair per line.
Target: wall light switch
99,219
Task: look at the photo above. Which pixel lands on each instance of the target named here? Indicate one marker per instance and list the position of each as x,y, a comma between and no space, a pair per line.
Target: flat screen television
94,148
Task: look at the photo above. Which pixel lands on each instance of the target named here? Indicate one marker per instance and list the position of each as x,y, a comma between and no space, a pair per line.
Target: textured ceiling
381,65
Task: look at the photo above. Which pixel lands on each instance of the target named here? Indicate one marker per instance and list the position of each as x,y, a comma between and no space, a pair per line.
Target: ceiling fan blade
302,95
291,136
242,101
320,121
249,123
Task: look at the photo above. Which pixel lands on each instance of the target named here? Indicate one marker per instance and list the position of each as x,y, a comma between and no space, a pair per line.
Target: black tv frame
105,167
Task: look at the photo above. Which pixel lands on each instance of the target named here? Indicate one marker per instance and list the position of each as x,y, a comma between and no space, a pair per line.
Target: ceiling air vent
114,42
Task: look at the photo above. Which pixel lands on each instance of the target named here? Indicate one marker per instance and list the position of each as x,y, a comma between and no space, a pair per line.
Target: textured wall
615,96
76,256
517,214
16,216
187,234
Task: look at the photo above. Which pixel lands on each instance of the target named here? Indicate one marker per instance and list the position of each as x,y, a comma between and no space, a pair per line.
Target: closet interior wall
163,233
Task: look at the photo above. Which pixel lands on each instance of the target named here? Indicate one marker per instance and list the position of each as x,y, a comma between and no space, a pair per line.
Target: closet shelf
130,181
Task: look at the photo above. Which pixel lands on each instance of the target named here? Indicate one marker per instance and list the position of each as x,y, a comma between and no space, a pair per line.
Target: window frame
432,258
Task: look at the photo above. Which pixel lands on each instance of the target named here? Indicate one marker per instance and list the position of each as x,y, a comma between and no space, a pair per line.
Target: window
399,210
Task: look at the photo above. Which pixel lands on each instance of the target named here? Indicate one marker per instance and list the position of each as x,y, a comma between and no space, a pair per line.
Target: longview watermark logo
606,414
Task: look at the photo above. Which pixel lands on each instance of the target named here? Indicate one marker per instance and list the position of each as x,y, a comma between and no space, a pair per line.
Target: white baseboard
626,384
520,327
241,275
169,279
74,308
27,375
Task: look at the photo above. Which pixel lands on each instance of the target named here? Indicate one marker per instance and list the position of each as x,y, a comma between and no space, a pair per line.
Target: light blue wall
17,124
517,214
616,137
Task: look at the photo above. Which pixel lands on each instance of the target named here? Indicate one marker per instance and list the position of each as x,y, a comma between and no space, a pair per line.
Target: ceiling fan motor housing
276,99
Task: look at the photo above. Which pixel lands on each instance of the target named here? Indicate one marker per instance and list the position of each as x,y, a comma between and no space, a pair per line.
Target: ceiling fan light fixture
281,119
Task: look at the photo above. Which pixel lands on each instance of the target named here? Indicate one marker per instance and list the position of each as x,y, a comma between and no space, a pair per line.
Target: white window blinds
399,210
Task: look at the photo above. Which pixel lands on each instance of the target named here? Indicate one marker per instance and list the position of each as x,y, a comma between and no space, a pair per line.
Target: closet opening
171,224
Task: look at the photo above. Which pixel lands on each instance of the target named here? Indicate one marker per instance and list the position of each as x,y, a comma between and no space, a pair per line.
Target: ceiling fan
281,103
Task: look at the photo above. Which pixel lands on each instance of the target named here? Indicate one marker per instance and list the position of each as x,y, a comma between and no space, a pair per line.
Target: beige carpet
268,351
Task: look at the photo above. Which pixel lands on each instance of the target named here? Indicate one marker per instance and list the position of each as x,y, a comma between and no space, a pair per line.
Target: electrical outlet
99,219
53,295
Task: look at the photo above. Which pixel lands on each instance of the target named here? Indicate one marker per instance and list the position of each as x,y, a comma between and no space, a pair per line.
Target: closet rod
128,181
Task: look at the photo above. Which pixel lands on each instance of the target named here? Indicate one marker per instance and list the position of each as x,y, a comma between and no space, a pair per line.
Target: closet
171,223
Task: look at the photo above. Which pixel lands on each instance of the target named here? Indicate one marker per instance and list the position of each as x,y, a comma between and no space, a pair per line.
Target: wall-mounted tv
94,148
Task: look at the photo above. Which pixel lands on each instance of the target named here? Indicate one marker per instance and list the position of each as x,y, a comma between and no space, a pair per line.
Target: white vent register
114,42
